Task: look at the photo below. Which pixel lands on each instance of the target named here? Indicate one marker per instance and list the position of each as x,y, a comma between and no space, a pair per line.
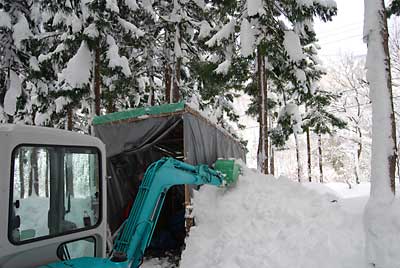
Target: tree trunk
309,171
30,182
380,206
359,150
110,105
348,183
383,121
262,153
168,70
34,173
97,78
150,73
359,144
321,173
21,172
46,182
168,83
398,164
177,80
68,160
356,169
299,166
96,84
393,154
69,175
271,152
151,100
69,118
178,64
272,161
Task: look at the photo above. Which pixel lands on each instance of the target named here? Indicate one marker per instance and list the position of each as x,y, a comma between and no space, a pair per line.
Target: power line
341,26
337,110
340,31
343,39
339,55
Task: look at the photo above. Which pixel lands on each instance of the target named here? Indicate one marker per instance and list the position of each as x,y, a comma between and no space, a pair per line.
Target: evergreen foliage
135,52
318,118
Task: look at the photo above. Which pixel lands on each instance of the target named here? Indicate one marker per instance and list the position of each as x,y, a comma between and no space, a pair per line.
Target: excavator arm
136,234
138,229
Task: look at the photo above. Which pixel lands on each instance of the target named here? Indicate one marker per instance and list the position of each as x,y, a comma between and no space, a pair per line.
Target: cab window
55,190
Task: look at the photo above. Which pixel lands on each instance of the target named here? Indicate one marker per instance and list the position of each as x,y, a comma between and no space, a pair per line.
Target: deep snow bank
265,222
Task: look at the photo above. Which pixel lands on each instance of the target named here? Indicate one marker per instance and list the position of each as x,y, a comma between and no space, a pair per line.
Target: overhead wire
345,29
342,39
336,110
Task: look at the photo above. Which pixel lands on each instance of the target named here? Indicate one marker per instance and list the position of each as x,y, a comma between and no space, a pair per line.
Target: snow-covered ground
351,200
269,222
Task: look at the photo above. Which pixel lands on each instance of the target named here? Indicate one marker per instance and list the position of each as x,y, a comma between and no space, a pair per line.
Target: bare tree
349,80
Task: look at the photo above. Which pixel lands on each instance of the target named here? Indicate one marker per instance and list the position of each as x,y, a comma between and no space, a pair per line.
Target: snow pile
382,225
33,213
351,200
164,262
343,191
264,222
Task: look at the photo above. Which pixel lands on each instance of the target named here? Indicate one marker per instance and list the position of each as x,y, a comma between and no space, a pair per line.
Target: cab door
55,209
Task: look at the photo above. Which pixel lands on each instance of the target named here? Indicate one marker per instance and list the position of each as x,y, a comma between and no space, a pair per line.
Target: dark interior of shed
130,167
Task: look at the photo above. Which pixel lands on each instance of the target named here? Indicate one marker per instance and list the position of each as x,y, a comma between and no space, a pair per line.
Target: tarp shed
136,138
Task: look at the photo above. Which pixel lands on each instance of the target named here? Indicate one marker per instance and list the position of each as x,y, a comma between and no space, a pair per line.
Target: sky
342,35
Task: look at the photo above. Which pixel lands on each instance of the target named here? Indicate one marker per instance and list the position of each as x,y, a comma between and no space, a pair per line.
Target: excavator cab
52,196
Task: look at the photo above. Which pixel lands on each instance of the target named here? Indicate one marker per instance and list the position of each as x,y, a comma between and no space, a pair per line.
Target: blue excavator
136,233
66,220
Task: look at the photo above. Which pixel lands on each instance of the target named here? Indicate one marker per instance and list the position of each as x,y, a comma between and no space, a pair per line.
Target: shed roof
140,113
162,110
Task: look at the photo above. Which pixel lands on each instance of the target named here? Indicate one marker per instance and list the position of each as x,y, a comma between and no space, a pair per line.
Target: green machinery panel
228,167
